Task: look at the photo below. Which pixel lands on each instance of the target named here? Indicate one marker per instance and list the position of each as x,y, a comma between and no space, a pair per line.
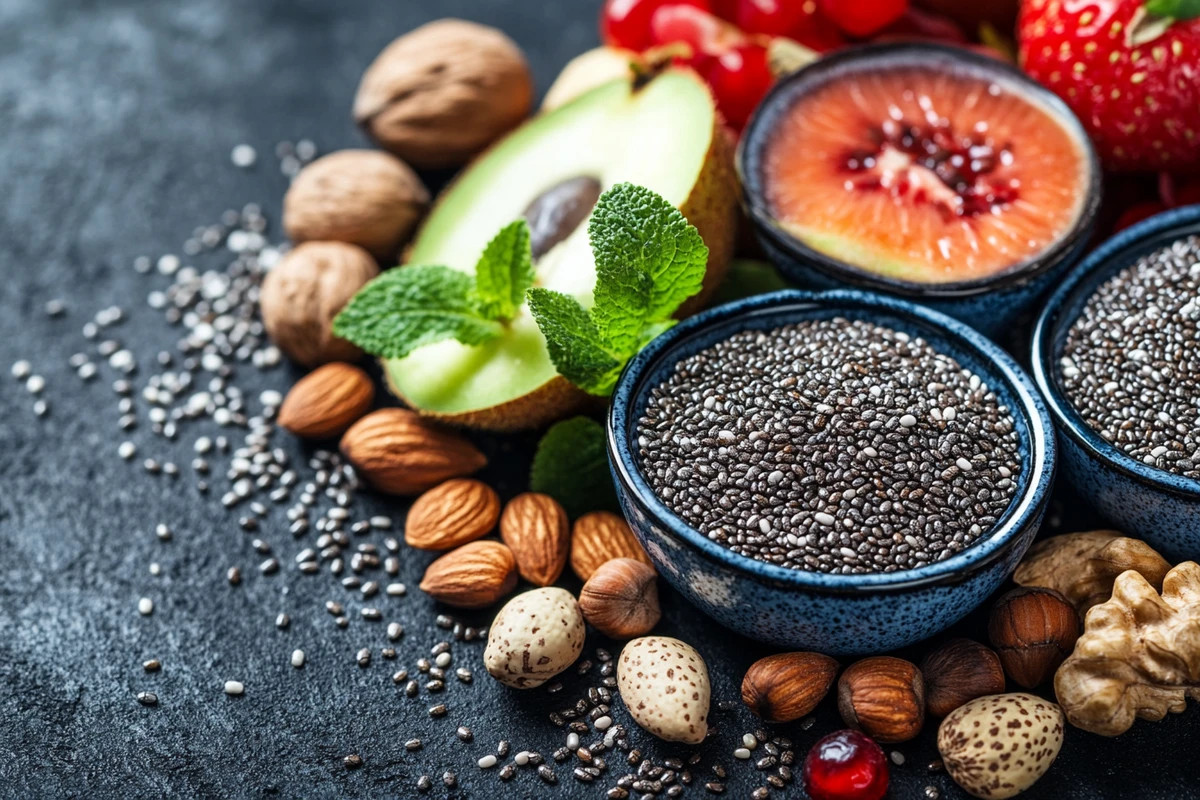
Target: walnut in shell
442,93
304,292
1139,655
363,197
1083,566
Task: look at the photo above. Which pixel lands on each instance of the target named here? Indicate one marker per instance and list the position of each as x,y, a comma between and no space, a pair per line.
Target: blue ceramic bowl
991,304
1152,504
812,610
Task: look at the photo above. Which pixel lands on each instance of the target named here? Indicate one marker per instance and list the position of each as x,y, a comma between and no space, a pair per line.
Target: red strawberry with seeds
1130,69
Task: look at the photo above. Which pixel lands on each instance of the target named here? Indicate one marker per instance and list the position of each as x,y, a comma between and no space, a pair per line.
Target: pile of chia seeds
831,445
1131,363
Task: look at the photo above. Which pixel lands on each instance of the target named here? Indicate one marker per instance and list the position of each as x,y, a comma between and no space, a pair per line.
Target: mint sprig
649,260
411,307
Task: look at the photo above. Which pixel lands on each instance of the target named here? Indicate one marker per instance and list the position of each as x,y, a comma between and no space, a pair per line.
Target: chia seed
1131,361
831,445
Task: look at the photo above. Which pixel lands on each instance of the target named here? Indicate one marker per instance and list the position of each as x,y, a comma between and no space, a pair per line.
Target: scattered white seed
443,660
907,421
145,606
602,723
487,762
297,658
155,569
234,688
749,741
823,518
35,384
521,758
243,156
573,741
741,753
270,398
127,450
396,589
21,369
963,464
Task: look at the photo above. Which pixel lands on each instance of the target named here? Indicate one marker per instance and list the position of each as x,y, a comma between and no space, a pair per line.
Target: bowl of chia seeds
1116,353
838,471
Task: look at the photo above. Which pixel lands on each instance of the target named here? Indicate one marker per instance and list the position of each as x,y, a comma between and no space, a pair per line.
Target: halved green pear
664,134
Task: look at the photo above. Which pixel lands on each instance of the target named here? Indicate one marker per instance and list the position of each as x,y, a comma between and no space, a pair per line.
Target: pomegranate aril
739,79
846,765
862,18
626,23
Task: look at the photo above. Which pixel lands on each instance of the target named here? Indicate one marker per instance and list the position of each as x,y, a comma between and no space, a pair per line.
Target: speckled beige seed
535,636
664,684
1000,745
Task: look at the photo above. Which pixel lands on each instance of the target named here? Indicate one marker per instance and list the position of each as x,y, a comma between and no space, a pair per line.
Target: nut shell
451,514
998,746
401,453
304,292
439,95
884,697
536,635
601,536
361,197
787,686
664,683
536,529
327,401
1033,630
473,576
958,672
621,599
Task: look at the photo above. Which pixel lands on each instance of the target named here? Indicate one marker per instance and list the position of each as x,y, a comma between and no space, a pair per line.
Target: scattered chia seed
1131,361
831,445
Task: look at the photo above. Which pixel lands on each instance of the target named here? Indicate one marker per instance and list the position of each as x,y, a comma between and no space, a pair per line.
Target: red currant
861,18
845,765
704,33
626,23
739,79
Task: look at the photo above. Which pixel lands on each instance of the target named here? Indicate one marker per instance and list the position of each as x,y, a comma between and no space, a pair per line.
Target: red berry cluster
728,39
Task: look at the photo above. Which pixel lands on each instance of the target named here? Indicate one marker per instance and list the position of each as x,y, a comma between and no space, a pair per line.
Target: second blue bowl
835,614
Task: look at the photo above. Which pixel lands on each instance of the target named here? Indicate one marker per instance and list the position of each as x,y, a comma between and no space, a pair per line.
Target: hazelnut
1033,630
439,95
304,292
620,599
362,197
787,686
958,672
884,697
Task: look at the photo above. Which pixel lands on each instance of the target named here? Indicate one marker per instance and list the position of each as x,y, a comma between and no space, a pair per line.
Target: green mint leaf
746,278
410,307
574,343
1177,9
653,330
649,260
571,465
504,272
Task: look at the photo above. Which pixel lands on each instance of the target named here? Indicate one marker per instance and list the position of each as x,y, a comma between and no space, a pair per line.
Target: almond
452,514
536,529
327,401
472,576
787,686
399,452
602,536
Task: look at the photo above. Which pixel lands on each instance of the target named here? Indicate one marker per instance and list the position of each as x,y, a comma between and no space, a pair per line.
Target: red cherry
706,34
739,79
861,18
626,23
771,17
845,765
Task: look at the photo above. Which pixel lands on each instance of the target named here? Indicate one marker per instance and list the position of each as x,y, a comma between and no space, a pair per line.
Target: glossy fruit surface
845,765
862,18
706,34
626,23
1134,85
739,79
924,173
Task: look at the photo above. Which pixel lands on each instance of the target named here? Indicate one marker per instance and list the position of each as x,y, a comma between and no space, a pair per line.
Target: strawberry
1130,69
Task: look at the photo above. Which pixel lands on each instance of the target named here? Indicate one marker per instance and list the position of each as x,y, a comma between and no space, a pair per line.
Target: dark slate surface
118,118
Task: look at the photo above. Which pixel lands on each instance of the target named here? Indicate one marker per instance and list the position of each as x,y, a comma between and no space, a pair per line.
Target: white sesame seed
297,658
145,606
234,688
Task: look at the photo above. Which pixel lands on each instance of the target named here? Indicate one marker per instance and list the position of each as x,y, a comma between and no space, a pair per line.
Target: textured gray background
116,121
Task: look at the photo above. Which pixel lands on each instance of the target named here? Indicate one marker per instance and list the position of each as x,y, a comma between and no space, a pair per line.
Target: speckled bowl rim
1115,254
781,94
1039,438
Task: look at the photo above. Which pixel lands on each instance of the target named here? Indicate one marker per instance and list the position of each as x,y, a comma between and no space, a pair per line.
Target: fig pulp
924,175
